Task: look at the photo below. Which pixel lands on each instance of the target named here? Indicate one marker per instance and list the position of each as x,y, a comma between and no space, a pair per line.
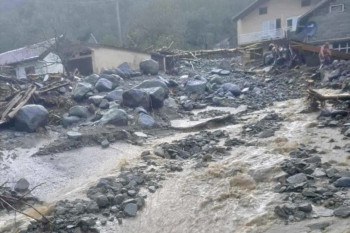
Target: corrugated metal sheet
26,53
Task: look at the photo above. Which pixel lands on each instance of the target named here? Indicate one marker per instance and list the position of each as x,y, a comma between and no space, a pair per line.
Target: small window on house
336,8
30,70
262,10
278,23
305,3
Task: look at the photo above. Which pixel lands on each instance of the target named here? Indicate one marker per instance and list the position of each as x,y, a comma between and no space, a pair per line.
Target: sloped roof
249,9
318,5
27,53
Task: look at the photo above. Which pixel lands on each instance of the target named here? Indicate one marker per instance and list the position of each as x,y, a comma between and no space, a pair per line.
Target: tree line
146,24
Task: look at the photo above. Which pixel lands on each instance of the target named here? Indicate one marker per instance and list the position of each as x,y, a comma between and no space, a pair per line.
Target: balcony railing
261,36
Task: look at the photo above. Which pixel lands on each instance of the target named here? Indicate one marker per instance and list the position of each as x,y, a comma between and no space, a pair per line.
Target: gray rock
343,211
87,221
103,85
22,185
305,207
96,99
154,83
297,179
81,90
30,117
319,226
69,120
145,121
130,209
74,135
342,182
149,67
116,80
136,98
157,96
104,104
79,111
267,133
116,95
105,143
114,116
119,199
92,207
102,201
225,72
196,86
92,79
159,151
234,89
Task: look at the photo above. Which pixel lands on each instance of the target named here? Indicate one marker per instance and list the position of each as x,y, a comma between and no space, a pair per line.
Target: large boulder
79,111
80,90
145,121
30,117
154,83
92,79
116,95
116,80
196,86
114,116
103,85
234,89
157,95
136,98
149,67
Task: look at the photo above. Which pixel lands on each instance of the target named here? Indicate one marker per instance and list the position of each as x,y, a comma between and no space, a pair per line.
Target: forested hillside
146,24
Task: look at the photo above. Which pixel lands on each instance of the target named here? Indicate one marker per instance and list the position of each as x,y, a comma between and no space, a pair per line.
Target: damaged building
86,58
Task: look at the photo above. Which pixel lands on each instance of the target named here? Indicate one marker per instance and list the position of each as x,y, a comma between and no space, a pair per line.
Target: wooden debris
16,104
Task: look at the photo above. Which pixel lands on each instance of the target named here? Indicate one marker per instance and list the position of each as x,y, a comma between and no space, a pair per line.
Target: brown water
231,195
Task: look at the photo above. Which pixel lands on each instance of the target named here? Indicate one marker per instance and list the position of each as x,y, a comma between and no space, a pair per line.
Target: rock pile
309,182
264,128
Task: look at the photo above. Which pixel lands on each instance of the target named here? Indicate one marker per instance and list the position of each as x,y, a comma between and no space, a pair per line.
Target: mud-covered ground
216,168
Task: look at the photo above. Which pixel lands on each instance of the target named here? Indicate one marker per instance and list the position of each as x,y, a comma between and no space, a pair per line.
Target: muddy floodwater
233,194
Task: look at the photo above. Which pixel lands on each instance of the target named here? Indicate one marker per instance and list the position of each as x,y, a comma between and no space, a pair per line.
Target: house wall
51,64
282,9
331,26
107,58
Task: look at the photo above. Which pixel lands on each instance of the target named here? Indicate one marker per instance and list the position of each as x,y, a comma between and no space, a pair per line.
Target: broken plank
26,98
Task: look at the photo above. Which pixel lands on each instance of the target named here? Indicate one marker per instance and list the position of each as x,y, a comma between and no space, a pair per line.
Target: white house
33,59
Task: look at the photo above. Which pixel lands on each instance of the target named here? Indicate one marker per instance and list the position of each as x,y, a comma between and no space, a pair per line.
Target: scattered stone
102,201
74,135
343,211
342,182
79,111
115,116
196,86
136,98
104,104
30,117
145,121
103,85
105,143
81,90
22,185
149,67
130,209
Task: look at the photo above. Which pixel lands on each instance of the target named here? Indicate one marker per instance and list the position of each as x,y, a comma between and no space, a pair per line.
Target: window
305,3
292,24
30,70
336,8
278,23
342,46
263,11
